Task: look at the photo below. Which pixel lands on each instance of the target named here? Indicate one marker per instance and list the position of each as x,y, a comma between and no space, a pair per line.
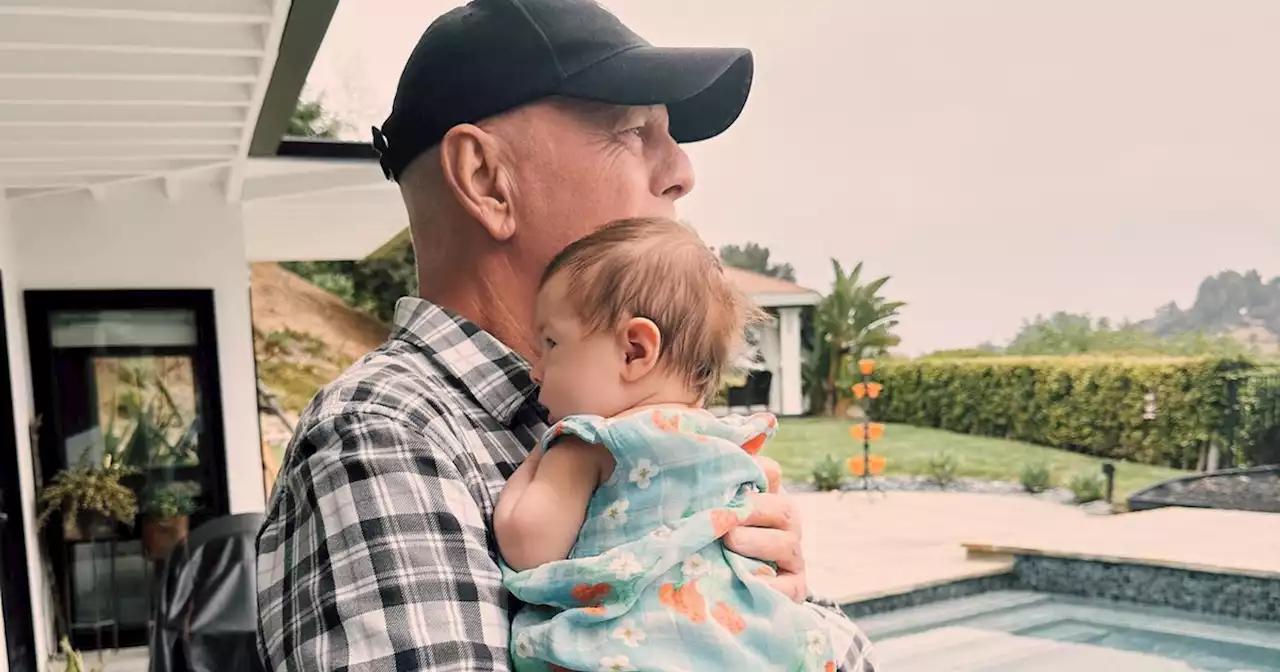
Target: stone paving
862,546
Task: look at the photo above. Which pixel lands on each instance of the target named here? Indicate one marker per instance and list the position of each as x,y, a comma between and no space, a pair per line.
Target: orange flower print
684,600
723,520
664,423
765,571
831,666
591,595
754,444
728,618
596,610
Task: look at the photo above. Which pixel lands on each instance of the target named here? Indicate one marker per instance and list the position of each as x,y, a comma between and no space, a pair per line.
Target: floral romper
648,585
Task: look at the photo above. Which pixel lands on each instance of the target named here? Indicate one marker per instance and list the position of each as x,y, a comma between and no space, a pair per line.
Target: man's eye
638,131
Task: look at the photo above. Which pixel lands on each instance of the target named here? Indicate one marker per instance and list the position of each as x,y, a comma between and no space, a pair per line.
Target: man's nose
674,177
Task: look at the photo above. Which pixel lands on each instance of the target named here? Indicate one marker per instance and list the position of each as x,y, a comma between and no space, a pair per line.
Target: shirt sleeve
859,652
374,556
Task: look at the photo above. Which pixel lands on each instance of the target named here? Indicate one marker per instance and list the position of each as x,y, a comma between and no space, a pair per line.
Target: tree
753,257
852,322
311,120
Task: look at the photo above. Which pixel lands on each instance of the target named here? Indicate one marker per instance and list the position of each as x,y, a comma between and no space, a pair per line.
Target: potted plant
91,499
166,511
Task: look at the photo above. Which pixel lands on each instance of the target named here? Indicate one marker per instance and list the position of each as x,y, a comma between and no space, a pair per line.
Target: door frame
40,305
15,584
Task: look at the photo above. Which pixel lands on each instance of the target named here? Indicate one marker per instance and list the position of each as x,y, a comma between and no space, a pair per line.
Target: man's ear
641,343
472,161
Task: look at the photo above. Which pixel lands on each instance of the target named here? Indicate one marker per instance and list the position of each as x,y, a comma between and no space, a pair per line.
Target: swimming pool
1027,630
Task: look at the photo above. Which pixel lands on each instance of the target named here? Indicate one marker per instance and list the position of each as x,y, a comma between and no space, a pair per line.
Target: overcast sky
999,158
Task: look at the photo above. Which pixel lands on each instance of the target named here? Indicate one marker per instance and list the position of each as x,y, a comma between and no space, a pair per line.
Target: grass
801,442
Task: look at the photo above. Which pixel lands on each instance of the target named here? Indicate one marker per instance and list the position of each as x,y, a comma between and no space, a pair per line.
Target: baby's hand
772,534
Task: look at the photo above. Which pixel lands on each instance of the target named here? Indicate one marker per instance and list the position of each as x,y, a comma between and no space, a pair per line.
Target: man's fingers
780,547
772,472
772,511
791,585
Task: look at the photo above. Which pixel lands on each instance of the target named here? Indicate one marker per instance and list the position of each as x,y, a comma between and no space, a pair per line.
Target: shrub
1087,404
1035,477
1087,487
942,469
828,473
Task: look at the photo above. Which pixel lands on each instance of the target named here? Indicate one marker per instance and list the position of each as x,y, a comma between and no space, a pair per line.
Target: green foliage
755,258
1089,405
167,500
372,285
828,473
1036,477
942,470
89,488
1072,334
311,120
295,365
1087,487
75,661
853,321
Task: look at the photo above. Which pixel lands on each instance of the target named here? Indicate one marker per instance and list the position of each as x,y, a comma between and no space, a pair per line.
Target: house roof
95,93
770,292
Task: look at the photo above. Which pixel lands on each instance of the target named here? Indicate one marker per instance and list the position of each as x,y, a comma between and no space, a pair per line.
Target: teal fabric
648,584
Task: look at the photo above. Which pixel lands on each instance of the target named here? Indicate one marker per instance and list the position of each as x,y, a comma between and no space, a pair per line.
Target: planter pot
160,535
88,525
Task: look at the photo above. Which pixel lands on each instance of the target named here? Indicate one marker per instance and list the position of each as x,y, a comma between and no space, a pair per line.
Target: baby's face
580,372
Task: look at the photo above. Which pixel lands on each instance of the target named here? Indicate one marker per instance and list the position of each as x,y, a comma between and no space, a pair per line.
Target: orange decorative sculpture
867,465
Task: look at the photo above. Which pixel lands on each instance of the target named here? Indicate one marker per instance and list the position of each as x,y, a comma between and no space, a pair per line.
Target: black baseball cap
490,56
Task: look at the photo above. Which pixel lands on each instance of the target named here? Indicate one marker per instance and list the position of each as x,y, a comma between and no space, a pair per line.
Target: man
518,126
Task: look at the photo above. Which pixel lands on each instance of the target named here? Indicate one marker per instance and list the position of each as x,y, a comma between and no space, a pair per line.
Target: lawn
801,442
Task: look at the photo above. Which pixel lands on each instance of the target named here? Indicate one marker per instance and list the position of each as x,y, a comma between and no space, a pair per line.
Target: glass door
129,380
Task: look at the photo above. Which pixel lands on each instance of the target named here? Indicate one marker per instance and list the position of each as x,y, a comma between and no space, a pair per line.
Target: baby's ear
641,343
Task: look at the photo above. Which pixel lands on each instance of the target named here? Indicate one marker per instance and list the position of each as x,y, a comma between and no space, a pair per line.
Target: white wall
14,324
136,238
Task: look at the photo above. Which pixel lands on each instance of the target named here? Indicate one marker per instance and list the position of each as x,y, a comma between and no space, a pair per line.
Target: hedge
1089,405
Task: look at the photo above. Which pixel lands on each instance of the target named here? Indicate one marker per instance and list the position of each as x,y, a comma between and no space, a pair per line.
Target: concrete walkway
862,546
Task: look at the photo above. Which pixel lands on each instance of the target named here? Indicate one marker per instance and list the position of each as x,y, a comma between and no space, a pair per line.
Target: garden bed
1251,489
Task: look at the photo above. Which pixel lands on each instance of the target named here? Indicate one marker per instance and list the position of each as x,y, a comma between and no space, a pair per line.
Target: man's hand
772,534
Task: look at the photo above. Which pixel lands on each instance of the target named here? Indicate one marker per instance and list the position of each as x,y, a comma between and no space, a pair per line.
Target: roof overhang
793,300
96,93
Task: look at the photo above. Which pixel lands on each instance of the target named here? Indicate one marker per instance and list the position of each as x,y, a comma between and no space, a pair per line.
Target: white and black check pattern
377,552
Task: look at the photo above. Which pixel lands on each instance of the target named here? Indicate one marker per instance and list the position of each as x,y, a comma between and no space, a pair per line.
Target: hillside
1240,305
303,338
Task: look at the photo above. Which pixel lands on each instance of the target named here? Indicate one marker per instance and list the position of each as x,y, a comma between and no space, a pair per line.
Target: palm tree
852,322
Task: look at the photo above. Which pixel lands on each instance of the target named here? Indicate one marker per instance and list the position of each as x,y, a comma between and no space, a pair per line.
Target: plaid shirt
377,551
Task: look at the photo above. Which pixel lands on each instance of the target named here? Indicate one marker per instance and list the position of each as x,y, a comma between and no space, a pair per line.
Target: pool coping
1250,597
979,550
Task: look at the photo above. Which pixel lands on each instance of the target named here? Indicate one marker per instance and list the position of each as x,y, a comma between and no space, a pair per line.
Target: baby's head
639,312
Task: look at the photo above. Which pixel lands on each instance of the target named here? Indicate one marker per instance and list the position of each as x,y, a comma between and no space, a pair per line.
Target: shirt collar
494,375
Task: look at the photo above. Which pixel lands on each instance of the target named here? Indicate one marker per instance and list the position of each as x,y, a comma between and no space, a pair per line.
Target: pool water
1020,630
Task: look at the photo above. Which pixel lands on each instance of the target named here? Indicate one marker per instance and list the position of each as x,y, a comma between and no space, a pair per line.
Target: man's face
578,166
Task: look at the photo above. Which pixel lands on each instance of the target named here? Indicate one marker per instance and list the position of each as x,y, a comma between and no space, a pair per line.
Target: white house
142,169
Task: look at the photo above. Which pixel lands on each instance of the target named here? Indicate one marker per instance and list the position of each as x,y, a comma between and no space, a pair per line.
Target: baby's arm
544,503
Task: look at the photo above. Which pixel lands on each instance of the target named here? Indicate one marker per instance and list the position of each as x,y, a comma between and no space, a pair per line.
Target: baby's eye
548,343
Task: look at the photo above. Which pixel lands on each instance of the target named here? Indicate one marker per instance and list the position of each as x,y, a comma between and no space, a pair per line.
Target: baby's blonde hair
660,269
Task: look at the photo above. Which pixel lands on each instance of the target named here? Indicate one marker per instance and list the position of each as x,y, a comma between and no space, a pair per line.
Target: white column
771,350
790,382
14,324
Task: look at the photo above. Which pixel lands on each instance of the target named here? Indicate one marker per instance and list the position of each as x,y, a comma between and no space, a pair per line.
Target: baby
610,530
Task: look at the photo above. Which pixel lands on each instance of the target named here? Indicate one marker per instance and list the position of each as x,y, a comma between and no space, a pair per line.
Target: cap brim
704,89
